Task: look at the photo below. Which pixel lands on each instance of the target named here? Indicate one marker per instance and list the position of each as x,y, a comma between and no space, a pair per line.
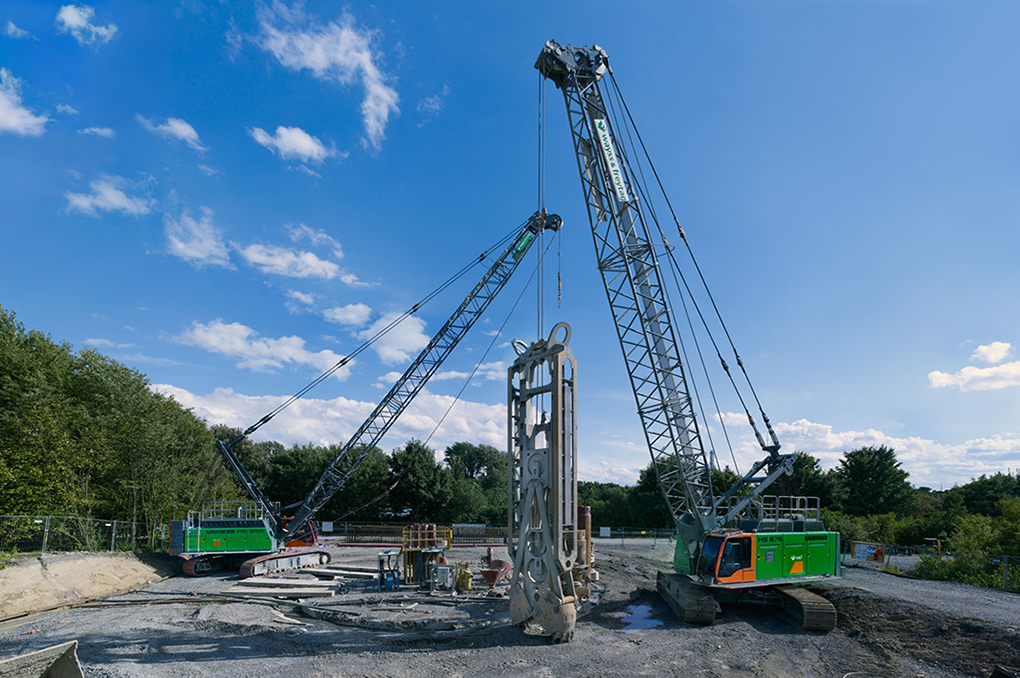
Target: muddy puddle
640,618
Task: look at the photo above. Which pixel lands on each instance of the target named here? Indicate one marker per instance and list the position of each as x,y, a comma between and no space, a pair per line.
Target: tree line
81,434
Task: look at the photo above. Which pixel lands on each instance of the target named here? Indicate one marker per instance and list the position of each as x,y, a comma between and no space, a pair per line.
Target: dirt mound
891,627
56,579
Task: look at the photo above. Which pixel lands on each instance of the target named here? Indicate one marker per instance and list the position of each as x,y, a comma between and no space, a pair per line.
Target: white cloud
14,117
210,171
106,343
928,462
348,278
316,237
173,129
431,107
259,354
354,315
197,242
299,302
328,421
301,296
77,21
401,342
606,472
338,51
287,262
66,109
108,196
293,143
992,353
486,372
15,33
104,132
978,378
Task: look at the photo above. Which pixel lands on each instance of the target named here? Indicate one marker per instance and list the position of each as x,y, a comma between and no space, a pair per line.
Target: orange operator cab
727,557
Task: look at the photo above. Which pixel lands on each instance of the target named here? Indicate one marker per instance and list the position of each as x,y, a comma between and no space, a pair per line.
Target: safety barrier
44,534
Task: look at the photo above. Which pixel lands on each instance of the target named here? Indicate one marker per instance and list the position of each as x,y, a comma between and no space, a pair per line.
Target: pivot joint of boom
566,64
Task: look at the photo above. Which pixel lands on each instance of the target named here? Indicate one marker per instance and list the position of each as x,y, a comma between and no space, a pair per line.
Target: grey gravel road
631,632
958,600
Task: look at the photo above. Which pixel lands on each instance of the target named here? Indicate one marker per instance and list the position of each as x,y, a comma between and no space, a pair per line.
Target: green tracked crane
256,536
741,545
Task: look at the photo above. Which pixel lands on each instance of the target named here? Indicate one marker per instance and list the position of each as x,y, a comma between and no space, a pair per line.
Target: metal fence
392,533
44,534
633,536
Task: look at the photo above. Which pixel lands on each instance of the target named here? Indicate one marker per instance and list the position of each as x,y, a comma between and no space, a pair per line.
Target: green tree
253,456
608,502
809,480
874,481
478,482
81,434
647,507
724,479
475,460
423,489
291,475
363,496
467,502
984,494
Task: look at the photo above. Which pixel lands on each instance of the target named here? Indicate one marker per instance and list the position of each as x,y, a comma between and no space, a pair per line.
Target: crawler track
809,610
692,603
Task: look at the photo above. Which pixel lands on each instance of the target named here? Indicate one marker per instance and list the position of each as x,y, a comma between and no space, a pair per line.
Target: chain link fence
633,536
351,533
45,534
392,533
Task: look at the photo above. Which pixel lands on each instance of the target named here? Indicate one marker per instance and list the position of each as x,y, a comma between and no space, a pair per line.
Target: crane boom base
292,559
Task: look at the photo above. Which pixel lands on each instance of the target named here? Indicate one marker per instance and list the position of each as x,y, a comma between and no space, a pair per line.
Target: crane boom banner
609,153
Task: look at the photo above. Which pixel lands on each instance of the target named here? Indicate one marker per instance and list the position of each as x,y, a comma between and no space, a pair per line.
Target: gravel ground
949,598
887,626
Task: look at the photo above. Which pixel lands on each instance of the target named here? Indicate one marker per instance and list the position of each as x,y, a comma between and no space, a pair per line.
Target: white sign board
609,153
604,531
327,526
868,552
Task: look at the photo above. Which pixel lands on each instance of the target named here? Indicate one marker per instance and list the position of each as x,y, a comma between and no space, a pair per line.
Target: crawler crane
741,545
259,537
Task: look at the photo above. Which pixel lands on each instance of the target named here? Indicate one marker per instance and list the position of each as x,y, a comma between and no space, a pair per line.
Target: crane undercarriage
697,604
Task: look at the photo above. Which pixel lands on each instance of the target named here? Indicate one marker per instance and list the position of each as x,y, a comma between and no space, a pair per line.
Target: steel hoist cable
456,398
641,188
382,332
492,343
774,439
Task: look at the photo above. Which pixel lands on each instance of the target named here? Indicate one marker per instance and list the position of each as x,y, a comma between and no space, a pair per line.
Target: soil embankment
40,582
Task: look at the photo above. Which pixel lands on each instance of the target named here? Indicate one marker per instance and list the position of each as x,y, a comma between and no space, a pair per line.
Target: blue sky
228,197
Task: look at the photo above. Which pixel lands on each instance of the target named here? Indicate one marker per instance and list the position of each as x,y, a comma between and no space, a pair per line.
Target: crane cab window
736,556
709,554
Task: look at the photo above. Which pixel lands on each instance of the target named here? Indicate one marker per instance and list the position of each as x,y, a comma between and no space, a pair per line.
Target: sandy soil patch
40,582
